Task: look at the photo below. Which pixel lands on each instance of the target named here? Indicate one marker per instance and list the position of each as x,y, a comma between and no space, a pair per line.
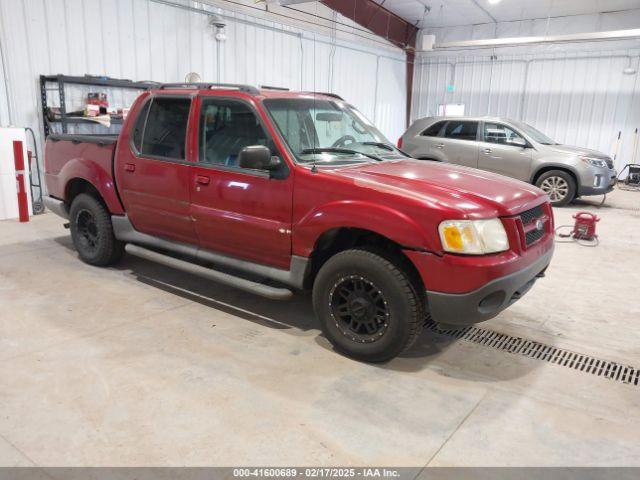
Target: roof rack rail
269,87
328,94
208,86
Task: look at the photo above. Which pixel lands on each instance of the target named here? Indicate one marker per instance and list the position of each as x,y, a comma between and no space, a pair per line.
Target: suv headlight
473,237
595,162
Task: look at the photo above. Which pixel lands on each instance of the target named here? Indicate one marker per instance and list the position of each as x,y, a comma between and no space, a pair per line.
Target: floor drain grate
545,353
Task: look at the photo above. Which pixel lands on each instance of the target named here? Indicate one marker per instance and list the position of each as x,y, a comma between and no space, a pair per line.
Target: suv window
165,132
461,130
433,130
498,133
138,127
226,127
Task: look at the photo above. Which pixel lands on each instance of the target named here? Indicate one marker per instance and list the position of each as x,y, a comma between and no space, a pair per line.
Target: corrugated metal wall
575,92
577,97
151,40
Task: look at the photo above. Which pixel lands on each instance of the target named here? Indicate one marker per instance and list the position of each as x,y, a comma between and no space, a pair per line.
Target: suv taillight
400,142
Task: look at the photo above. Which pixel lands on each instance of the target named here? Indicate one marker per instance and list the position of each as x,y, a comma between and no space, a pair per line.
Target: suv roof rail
208,86
328,94
269,87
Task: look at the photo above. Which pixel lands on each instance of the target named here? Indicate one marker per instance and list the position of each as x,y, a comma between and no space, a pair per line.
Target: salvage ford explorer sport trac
275,191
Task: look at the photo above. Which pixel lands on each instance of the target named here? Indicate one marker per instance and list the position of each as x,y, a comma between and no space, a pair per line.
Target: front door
152,172
500,154
238,211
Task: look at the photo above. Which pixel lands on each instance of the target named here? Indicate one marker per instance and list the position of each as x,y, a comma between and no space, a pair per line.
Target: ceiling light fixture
493,2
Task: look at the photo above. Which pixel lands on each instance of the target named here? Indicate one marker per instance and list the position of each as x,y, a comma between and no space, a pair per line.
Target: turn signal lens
473,237
453,238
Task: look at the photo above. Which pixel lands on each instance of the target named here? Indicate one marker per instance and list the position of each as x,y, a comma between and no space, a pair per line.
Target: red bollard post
23,201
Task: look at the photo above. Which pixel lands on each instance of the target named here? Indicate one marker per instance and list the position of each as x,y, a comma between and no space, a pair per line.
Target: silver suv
513,149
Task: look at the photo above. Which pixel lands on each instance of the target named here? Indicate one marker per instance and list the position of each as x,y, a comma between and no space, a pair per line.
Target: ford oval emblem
539,225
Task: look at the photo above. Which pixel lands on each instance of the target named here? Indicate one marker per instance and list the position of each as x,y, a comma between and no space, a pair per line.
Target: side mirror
518,142
258,157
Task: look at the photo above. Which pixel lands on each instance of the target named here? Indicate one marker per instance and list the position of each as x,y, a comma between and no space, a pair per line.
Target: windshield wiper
340,150
386,146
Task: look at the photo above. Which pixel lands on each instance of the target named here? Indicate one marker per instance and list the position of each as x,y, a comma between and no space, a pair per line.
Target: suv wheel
368,306
559,185
92,232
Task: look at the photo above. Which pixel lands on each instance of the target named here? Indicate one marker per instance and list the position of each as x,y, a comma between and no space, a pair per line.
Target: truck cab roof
262,92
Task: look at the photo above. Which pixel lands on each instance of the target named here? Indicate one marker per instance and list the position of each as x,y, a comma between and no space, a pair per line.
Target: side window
498,133
138,127
166,129
461,130
226,127
433,130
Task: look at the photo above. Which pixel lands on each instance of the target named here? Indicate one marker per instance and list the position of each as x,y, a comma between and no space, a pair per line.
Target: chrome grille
530,215
533,236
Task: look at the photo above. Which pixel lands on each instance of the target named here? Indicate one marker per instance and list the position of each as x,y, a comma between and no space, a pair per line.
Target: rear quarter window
138,127
433,130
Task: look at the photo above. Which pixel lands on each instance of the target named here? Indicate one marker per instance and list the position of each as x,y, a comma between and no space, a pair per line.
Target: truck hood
577,151
471,192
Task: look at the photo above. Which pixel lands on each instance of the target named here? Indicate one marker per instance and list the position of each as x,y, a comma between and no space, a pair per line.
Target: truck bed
100,139
77,156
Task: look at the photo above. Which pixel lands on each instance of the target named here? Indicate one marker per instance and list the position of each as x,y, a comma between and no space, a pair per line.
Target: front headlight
473,237
595,162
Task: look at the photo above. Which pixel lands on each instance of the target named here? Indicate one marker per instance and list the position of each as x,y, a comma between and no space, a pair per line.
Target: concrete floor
141,365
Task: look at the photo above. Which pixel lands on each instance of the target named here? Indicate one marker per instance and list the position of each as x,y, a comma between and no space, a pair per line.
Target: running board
261,289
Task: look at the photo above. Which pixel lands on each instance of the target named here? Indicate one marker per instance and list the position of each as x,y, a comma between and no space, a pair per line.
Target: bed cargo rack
61,81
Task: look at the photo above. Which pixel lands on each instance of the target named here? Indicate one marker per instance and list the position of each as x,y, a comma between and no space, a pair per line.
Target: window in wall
498,133
461,130
165,132
226,127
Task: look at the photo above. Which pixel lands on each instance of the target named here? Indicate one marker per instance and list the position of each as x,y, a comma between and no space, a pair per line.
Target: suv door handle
129,167
202,179
487,150
440,146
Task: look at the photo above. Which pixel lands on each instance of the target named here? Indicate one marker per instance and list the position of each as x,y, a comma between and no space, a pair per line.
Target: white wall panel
149,40
577,98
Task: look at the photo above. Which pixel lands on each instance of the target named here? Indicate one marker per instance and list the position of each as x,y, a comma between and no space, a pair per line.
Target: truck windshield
321,131
536,135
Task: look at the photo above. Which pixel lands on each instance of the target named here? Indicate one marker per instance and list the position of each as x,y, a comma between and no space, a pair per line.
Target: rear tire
559,185
368,306
92,232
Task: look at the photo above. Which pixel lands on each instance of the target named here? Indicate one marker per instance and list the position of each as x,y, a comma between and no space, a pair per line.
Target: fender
559,166
385,220
95,174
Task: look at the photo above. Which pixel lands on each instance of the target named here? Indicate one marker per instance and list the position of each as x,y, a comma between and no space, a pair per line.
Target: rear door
498,153
152,169
424,144
459,143
239,211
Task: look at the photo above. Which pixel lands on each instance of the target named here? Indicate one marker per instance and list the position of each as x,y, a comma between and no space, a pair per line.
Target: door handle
487,150
440,146
129,167
202,179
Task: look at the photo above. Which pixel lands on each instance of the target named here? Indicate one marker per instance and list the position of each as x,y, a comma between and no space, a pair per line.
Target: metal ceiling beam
379,20
386,24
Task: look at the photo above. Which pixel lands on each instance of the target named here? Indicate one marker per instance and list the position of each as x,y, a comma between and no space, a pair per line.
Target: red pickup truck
272,191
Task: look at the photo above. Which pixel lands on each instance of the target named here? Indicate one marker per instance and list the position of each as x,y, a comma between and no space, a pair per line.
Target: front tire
92,232
559,185
368,306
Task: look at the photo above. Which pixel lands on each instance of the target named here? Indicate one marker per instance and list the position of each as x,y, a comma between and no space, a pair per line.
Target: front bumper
487,301
598,182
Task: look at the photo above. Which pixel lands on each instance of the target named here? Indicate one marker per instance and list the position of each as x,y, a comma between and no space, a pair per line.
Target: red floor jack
583,230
